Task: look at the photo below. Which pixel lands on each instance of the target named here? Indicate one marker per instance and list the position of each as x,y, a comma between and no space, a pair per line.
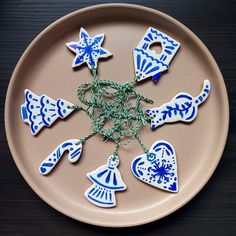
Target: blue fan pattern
147,62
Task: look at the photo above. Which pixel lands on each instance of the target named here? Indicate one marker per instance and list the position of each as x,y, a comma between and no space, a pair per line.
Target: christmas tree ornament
106,180
157,167
106,101
43,111
88,50
183,107
146,61
73,146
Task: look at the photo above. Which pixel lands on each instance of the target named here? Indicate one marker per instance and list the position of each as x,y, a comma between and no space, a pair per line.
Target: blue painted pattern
88,50
42,111
106,180
183,107
147,62
158,167
73,146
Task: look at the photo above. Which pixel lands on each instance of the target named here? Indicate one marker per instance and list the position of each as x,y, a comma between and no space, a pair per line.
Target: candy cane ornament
74,146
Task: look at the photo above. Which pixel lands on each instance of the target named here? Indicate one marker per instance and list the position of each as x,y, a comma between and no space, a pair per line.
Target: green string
82,140
119,104
115,153
141,144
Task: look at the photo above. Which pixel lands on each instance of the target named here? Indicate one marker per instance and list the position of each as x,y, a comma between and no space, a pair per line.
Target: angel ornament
106,180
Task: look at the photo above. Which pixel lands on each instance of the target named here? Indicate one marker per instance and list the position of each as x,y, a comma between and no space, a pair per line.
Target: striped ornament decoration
73,146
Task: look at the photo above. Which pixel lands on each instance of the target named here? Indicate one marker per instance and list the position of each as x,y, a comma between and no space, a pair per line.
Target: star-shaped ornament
88,49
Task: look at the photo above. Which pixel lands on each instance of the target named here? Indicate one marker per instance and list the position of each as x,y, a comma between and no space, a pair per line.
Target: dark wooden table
211,212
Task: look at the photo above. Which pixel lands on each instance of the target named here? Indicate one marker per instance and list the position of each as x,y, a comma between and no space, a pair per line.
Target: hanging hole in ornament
71,107
79,142
157,47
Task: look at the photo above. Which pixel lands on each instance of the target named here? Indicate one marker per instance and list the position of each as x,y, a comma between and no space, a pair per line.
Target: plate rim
24,173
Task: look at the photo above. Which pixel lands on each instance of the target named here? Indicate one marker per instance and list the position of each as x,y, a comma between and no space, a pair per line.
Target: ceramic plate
45,68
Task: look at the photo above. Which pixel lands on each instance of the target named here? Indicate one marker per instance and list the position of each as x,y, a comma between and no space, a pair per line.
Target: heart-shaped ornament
158,167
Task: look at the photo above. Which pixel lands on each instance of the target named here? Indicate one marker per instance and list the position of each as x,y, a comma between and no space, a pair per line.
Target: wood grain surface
212,211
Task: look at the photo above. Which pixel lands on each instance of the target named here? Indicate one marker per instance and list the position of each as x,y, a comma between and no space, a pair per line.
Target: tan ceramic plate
45,67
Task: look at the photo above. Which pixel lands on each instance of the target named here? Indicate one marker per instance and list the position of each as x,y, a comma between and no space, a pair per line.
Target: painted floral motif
158,167
183,107
42,111
146,61
88,50
161,171
106,180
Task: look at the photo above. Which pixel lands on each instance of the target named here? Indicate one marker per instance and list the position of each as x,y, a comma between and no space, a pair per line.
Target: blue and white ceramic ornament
88,50
146,61
158,167
106,180
183,107
43,111
73,146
